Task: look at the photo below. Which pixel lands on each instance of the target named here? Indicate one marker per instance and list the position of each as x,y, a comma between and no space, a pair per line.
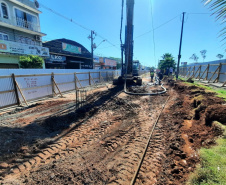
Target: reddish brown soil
102,143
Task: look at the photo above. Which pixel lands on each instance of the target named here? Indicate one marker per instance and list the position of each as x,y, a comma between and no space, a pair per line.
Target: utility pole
179,56
122,45
92,46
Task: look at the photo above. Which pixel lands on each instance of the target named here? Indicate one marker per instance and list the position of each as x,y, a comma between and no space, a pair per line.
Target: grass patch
212,169
219,92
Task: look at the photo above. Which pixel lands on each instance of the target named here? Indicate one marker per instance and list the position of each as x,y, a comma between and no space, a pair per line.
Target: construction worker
160,75
152,74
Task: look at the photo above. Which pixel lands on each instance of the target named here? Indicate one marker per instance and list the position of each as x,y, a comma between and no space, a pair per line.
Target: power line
157,27
72,21
153,30
69,19
199,13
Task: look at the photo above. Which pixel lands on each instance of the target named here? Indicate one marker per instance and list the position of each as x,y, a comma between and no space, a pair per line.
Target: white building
20,32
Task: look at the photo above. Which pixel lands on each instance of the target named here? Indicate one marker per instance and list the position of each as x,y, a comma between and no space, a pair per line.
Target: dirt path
103,142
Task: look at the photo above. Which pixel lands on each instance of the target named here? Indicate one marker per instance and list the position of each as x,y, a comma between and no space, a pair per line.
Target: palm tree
219,9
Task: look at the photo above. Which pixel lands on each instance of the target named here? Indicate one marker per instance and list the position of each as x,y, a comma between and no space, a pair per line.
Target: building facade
20,32
67,54
107,63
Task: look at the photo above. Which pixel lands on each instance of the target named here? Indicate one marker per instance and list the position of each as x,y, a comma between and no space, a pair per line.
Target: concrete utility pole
92,48
181,37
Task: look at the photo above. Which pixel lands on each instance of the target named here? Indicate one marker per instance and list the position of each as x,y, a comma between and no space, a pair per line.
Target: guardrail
213,73
21,89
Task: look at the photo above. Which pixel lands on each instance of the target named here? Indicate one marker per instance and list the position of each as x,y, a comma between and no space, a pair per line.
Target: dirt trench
102,143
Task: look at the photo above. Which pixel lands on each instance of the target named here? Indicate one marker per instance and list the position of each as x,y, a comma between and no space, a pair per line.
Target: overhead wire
157,27
80,25
153,31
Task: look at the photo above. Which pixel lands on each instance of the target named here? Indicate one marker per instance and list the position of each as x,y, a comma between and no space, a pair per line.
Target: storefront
55,62
68,54
107,63
10,53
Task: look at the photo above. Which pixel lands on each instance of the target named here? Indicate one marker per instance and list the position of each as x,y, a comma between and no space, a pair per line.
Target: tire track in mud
78,138
154,157
127,143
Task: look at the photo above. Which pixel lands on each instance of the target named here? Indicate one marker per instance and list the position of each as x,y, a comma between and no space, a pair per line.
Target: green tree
167,62
194,57
119,65
31,61
220,56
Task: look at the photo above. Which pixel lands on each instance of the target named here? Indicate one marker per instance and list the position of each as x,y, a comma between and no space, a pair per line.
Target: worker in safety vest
152,74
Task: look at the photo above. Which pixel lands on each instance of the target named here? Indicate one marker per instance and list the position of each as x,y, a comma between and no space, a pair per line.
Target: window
4,36
4,11
26,20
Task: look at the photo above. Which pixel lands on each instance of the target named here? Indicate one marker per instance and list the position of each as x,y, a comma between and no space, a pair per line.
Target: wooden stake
21,93
203,73
52,83
57,88
193,76
188,72
102,78
75,82
213,73
78,81
207,72
92,80
224,84
200,67
15,89
218,75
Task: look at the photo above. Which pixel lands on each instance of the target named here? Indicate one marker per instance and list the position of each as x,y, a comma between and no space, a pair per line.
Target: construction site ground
102,143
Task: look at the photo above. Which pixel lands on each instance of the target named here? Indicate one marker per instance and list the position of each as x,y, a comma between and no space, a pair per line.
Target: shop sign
96,59
110,62
57,58
71,48
184,63
24,49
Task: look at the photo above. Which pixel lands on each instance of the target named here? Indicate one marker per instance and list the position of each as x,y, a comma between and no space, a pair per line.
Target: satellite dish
36,4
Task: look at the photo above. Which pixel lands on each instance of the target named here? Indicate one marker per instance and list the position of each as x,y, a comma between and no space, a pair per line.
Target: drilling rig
127,74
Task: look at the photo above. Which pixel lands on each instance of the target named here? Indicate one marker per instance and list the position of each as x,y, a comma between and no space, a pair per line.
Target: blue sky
103,16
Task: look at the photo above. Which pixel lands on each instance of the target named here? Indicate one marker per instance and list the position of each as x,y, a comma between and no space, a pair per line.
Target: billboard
110,62
24,49
71,48
184,63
